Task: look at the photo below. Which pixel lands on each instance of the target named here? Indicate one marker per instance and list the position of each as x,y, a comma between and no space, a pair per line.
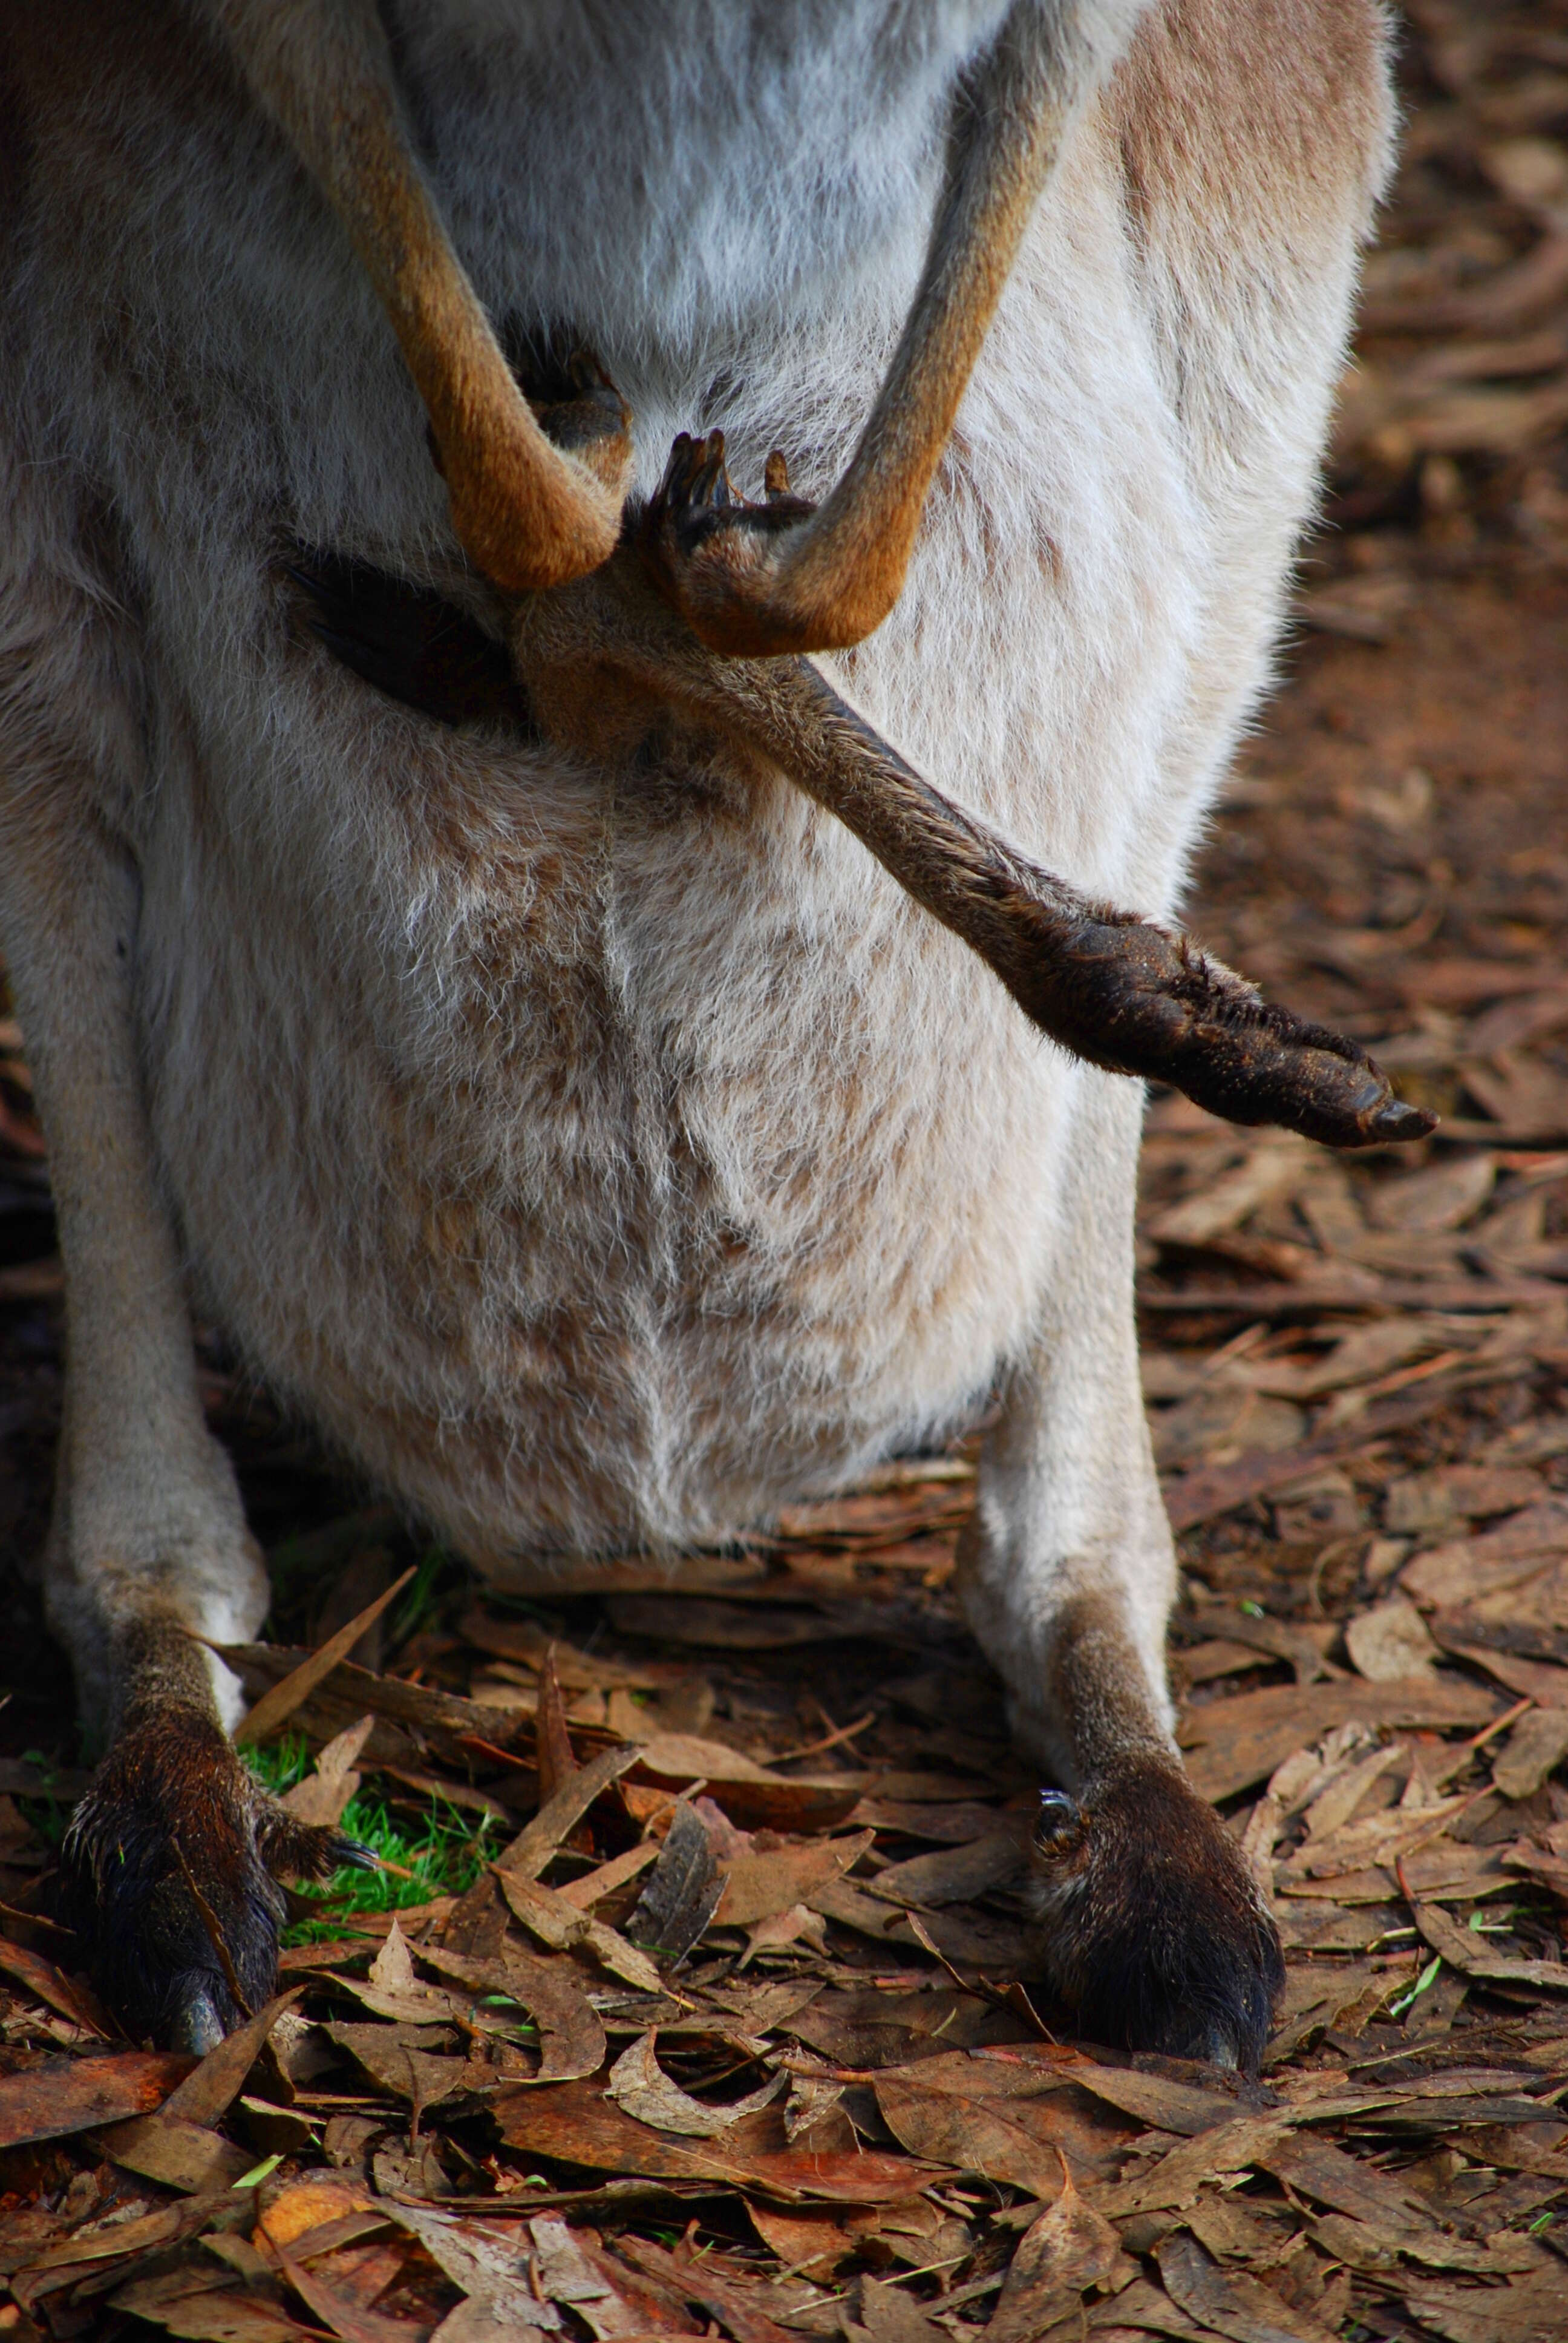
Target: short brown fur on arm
1123,992
829,581
529,514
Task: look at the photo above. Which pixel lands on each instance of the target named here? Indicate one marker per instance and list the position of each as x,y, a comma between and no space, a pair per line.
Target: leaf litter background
702,2012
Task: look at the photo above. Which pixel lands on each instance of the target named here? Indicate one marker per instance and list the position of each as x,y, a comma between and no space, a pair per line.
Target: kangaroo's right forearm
1123,991
528,514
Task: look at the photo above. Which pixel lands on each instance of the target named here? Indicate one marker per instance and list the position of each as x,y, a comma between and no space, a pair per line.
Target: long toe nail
676,469
356,1854
708,469
195,2026
1398,1120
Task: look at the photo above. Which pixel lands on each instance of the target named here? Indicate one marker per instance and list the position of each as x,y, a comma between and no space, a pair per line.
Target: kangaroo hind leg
171,1857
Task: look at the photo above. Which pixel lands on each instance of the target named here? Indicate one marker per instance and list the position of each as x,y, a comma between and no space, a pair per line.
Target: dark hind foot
714,554
1154,1926
171,1868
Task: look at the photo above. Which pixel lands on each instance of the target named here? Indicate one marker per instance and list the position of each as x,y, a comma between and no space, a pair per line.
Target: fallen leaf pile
735,2034
1457,402
738,2030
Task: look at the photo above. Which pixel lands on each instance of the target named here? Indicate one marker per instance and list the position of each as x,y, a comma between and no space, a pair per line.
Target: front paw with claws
716,555
1155,1928
171,1869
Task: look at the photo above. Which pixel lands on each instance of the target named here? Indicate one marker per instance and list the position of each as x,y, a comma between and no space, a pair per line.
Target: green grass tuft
443,1855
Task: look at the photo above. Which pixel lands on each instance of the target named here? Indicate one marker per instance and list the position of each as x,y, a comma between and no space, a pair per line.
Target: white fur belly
600,1158
662,1164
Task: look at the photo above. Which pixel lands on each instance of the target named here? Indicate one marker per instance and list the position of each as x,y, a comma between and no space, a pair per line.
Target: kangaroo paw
171,1869
716,555
1153,1926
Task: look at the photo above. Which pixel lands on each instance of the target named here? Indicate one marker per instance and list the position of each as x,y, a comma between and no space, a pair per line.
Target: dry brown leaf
955,1875
1536,1748
393,1968
1200,1496
392,1990
601,2292
533,1847
1175,2178
1390,1643
563,1928
118,2241
586,1892
1426,1504
1443,1196
1221,1423
638,2084
410,2062
1230,2303
338,2311
1277,1164
183,2156
721,1626
1459,1572
279,1703
1370,2246
311,2204
882,2027
76,2002
1525,2311
489,2264
683,1889
988,2137
889,2315
217,2316
61,2095
749,1793
1538,1680
1231,1744
553,1753
413,1721
1068,2249
798,1926
1330,1801
571,2036
758,1888
741,2305
319,1800
813,2247
574,2124
1471,1953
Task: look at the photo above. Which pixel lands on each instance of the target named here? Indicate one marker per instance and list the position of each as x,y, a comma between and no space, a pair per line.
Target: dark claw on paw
1125,995
1155,1929
168,1874
696,501
353,1854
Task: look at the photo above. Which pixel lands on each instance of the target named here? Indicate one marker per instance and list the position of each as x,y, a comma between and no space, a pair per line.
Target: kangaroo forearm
1116,989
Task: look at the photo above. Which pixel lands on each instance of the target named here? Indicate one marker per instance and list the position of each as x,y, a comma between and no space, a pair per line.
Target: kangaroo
433,818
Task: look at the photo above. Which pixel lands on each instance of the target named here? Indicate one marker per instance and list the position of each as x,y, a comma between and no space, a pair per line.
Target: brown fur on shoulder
1273,117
